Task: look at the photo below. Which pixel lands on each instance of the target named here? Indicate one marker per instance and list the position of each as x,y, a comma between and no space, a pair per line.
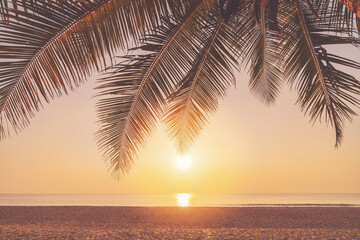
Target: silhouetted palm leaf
47,48
323,90
337,13
261,52
198,92
135,91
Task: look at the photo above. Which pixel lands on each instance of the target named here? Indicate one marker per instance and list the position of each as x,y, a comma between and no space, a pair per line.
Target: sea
185,200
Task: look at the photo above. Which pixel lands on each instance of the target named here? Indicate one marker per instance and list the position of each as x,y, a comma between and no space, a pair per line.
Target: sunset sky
248,147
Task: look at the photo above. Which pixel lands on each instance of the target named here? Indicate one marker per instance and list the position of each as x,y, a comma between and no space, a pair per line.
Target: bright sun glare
183,162
183,199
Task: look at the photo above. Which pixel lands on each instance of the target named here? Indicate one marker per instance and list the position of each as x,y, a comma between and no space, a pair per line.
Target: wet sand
179,223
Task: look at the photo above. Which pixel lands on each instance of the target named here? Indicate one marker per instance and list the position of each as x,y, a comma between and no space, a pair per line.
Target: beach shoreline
79,222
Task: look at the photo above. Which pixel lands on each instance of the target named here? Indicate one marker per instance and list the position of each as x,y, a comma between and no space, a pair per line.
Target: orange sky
247,148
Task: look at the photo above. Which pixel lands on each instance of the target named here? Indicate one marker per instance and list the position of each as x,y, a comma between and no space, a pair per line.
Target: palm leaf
324,91
196,97
47,48
134,92
261,52
338,14
352,5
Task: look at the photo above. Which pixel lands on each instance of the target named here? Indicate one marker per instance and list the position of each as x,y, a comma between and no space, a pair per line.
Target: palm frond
197,94
3,6
134,92
261,53
339,14
324,91
48,47
196,97
351,5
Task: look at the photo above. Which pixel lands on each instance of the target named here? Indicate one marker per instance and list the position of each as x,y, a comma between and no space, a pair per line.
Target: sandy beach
179,223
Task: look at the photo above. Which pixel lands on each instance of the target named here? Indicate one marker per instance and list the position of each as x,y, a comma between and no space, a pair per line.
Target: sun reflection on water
183,199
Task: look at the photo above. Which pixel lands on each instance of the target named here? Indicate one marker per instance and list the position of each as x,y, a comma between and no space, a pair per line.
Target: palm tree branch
322,88
320,76
203,60
262,55
135,91
154,63
193,76
48,46
163,50
263,46
352,5
312,52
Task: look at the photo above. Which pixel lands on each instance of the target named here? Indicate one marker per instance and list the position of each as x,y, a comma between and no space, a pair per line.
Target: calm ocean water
181,199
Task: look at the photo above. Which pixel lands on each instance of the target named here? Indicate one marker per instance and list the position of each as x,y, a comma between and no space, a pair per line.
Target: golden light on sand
183,199
183,162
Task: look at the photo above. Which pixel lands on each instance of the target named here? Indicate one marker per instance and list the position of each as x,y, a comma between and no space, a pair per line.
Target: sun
183,162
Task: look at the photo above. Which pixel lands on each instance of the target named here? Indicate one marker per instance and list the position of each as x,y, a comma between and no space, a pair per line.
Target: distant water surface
182,199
